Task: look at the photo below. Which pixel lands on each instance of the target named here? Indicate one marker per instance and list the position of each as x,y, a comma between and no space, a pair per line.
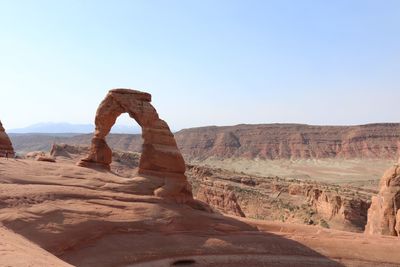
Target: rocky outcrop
291,141
275,198
384,213
220,197
6,147
160,157
34,155
46,159
68,151
342,210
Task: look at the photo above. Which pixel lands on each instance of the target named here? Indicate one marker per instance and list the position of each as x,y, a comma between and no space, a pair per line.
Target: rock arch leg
100,154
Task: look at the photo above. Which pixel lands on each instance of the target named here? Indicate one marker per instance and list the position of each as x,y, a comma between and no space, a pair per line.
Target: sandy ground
85,217
358,172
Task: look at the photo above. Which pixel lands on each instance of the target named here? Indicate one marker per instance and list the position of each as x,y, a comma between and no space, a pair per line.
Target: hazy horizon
133,128
205,63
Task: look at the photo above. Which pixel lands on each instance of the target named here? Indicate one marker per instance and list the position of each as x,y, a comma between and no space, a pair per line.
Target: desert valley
278,195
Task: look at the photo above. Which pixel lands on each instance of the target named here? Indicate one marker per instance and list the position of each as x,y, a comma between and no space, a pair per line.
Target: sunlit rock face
384,213
160,157
6,147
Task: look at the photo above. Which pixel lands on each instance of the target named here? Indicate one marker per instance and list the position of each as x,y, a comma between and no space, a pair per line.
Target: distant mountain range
63,127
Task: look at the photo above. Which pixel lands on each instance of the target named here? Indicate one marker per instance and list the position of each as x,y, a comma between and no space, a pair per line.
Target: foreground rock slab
89,217
17,251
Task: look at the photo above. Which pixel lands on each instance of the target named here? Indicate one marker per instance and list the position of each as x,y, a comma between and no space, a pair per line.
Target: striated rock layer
384,213
160,157
340,209
263,141
274,198
291,141
220,197
5,143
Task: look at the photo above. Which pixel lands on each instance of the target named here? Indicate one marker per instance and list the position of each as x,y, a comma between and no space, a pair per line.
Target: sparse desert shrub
324,223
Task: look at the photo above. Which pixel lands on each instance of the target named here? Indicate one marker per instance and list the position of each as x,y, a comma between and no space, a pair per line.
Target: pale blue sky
205,62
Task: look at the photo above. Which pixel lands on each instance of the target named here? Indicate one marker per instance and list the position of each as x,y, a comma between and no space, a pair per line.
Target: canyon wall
263,141
291,141
278,199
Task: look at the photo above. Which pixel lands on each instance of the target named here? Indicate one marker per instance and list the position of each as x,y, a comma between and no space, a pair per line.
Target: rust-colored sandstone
220,196
384,213
89,217
160,157
291,141
5,143
262,141
274,198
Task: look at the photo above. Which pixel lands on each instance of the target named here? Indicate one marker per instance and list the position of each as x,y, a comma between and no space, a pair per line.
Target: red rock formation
65,150
160,155
291,141
264,141
219,196
384,213
274,198
46,158
332,206
5,143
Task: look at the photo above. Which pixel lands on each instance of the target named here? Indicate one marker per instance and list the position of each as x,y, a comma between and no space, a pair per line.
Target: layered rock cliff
291,141
263,141
338,208
277,199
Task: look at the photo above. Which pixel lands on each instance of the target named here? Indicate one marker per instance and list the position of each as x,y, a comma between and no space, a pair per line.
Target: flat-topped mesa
160,157
6,148
384,213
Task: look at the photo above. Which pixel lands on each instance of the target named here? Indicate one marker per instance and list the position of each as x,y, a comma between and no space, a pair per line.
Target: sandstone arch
160,155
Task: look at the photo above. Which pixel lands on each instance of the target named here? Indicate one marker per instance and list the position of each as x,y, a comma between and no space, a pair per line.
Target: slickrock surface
89,217
17,251
384,213
160,156
5,143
